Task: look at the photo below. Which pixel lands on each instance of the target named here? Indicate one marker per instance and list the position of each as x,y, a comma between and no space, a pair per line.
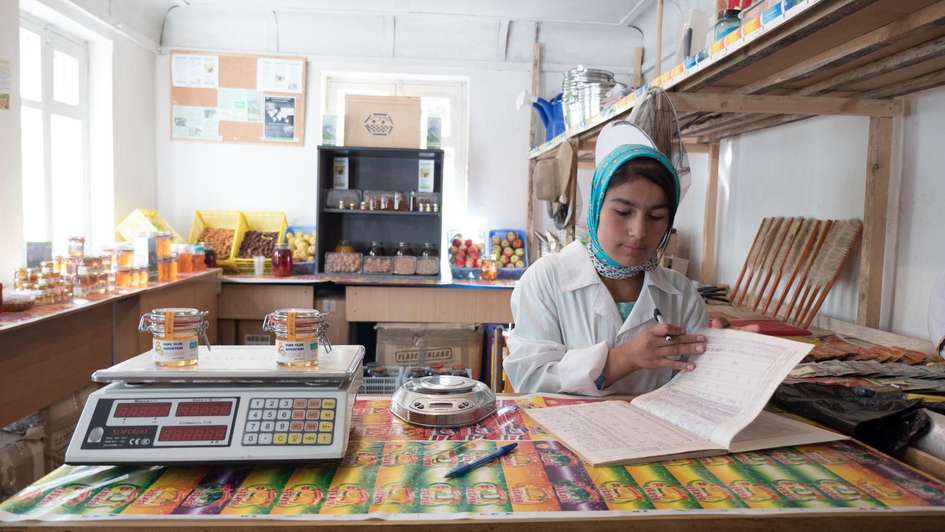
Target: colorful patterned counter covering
394,471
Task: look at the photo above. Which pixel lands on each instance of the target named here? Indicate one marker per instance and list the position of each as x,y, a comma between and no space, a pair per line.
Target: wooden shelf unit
393,169
825,57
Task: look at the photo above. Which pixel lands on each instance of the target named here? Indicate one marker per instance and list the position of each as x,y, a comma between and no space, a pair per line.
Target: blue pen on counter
658,316
500,452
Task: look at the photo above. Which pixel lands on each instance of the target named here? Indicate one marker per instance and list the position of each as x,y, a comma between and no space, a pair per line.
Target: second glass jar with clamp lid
298,333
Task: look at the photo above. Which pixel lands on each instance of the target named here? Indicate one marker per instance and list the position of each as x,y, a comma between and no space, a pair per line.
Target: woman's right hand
649,349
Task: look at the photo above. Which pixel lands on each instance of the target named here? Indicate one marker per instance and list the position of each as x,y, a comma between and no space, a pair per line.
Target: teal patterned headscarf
603,263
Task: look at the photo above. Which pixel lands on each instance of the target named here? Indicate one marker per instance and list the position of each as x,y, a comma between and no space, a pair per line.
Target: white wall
11,194
135,128
920,251
195,175
818,168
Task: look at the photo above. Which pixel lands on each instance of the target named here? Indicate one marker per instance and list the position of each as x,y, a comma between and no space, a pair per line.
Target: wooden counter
50,351
383,298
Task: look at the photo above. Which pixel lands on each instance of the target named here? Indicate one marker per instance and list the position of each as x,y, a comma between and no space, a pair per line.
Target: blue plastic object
551,115
302,268
508,273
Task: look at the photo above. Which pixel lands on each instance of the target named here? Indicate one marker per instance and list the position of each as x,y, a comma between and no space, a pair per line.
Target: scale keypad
285,421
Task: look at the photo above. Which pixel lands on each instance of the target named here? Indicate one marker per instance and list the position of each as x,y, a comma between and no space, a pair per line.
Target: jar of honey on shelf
126,255
162,245
176,335
76,246
164,270
123,277
298,333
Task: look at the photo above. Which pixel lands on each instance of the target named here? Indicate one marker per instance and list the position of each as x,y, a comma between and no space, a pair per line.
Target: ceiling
577,11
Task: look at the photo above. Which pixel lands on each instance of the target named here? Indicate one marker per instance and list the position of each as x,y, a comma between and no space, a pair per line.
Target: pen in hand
658,316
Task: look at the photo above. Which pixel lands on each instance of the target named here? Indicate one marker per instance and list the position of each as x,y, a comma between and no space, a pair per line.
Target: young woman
584,317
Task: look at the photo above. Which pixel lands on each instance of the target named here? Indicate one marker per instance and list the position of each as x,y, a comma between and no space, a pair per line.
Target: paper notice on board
199,71
194,123
279,75
280,118
5,85
240,105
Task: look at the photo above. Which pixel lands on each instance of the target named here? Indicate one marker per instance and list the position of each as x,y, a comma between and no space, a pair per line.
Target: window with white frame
55,134
440,97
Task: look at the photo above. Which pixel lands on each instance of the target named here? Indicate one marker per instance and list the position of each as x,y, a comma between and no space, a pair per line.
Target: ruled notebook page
730,386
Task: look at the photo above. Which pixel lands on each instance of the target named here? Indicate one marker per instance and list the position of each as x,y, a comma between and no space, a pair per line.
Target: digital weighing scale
235,405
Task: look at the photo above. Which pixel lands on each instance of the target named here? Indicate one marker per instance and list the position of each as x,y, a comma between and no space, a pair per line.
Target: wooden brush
803,287
780,261
771,261
763,254
806,236
847,236
752,255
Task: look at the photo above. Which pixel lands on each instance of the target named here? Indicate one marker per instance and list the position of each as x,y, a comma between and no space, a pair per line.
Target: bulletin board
246,98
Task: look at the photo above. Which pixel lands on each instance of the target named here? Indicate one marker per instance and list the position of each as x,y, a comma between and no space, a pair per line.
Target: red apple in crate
517,244
511,236
461,254
457,242
470,262
459,263
469,243
478,263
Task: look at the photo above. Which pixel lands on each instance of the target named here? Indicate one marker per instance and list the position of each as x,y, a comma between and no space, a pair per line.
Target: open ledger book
714,409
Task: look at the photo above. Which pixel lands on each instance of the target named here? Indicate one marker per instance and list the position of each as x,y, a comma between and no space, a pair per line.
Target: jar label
301,350
175,349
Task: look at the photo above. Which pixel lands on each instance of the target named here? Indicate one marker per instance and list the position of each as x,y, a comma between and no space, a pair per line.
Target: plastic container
508,273
264,222
302,267
176,333
298,332
727,22
145,221
376,265
231,220
342,262
381,380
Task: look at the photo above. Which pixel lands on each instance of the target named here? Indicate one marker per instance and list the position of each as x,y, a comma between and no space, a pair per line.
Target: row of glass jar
177,332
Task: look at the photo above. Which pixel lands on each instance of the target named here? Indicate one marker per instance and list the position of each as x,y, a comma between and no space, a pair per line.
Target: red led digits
192,433
220,408
142,409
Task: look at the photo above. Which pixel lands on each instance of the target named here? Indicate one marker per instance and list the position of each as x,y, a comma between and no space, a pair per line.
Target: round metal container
443,401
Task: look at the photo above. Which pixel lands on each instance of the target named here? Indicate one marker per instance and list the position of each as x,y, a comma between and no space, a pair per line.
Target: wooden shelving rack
822,57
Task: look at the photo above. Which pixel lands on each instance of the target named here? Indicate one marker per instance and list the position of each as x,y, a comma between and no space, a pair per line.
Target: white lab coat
937,316
566,321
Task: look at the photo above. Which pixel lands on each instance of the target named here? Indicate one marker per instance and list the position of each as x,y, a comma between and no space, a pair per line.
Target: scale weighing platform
235,405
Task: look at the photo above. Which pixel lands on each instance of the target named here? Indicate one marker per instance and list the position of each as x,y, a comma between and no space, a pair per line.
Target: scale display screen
204,409
177,433
126,410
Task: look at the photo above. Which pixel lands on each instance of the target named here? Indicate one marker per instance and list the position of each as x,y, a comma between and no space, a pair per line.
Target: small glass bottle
282,261
376,249
404,249
76,246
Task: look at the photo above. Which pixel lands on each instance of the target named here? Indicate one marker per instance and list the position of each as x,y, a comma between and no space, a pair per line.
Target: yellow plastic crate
264,222
233,220
144,221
